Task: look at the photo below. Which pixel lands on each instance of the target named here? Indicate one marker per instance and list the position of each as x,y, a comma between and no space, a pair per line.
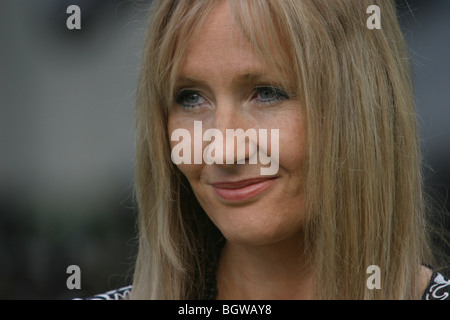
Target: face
224,85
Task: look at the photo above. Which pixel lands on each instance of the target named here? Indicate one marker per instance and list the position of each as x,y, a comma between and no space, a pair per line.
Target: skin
262,254
218,85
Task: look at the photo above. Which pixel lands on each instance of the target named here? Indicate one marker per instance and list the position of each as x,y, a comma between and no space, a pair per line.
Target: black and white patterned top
437,289
117,294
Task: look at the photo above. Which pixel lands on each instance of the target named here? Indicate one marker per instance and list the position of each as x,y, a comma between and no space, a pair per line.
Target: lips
243,189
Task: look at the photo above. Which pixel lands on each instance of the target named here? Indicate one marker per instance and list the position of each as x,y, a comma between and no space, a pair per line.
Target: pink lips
243,189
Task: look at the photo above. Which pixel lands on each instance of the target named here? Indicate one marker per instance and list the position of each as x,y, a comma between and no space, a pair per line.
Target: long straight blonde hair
362,176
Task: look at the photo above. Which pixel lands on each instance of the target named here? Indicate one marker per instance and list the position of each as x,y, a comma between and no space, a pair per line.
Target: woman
346,198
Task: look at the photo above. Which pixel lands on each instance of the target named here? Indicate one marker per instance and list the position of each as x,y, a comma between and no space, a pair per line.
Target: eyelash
181,96
280,95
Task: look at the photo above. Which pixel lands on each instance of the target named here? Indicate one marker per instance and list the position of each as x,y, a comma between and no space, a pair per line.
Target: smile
243,189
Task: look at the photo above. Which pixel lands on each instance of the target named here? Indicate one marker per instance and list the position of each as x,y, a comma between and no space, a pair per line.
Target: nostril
236,146
241,146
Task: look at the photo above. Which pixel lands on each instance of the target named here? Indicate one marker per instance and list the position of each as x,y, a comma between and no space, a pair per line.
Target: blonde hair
363,180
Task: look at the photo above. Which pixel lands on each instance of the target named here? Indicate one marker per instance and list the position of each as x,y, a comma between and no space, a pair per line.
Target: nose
239,139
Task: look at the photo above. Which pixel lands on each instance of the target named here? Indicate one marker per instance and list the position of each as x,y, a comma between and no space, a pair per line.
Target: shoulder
438,288
116,294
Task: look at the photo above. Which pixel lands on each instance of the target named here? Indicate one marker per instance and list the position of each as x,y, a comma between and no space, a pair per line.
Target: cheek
192,172
292,146
181,145
292,153
293,159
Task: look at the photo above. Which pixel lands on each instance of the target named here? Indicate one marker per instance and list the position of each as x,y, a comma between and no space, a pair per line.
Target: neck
274,271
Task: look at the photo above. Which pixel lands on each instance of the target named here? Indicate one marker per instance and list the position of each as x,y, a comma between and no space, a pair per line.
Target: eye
268,94
189,99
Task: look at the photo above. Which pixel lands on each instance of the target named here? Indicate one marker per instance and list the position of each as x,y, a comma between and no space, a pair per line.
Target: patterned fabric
438,289
118,294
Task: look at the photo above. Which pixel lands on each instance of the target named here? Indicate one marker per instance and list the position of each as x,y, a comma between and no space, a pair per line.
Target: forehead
220,47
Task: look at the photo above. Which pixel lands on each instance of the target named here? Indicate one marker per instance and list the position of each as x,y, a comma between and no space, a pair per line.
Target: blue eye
189,99
269,95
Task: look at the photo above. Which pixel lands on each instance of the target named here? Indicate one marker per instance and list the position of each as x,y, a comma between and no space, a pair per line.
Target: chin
254,227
